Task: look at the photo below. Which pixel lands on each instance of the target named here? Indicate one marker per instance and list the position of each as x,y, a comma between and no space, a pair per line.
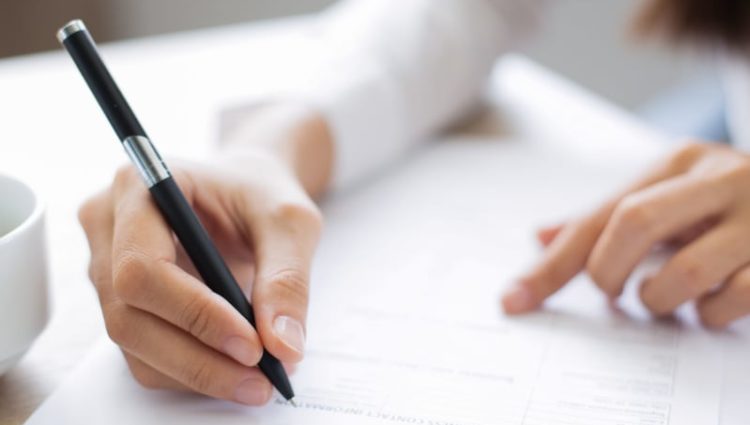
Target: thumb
284,248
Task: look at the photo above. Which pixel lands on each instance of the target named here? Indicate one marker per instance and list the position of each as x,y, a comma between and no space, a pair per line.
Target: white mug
24,300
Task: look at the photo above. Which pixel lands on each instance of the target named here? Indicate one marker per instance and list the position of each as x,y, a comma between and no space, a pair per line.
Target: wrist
296,134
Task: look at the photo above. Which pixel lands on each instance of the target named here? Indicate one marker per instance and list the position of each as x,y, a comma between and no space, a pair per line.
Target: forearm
296,133
398,71
403,80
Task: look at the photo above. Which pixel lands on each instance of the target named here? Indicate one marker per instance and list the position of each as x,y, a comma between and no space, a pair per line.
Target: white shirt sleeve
399,70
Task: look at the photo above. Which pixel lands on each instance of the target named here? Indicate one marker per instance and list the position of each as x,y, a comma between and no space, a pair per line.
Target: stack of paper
405,326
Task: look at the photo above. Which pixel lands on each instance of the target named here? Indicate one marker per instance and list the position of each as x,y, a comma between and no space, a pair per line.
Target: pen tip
291,401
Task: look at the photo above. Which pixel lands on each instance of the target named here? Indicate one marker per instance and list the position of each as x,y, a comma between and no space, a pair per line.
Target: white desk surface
54,136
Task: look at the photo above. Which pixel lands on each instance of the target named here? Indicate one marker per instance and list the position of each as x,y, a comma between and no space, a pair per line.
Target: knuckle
542,286
97,273
92,211
145,377
117,326
195,317
740,288
709,317
653,304
93,273
546,274
315,218
602,279
689,272
146,380
594,271
729,304
86,212
130,276
737,173
305,217
199,376
686,154
632,215
740,283
290,284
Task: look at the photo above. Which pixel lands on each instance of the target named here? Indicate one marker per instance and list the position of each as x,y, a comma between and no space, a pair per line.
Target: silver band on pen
145,157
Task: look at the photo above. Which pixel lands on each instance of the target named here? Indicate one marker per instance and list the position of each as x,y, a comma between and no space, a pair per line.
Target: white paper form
405,326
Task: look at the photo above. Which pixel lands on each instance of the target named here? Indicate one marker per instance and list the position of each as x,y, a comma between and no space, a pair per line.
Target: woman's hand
698,198
173,330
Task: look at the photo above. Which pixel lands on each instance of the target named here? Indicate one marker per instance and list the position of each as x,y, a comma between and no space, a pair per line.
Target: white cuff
365,111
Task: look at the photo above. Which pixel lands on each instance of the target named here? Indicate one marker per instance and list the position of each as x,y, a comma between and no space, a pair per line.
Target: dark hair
713,22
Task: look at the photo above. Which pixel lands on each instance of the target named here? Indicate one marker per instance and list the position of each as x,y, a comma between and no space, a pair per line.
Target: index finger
563,259
568,253
284,252
145,276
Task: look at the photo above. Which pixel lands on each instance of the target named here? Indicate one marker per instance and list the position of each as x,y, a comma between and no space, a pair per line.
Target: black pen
168,197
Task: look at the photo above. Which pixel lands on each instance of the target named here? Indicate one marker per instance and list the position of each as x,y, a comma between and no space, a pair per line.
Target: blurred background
585,40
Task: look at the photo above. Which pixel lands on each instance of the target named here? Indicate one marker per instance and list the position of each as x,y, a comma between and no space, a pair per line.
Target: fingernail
518,300
252,392
241,350
291,332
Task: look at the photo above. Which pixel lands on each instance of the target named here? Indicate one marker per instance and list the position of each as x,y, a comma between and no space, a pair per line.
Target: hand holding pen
255,237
